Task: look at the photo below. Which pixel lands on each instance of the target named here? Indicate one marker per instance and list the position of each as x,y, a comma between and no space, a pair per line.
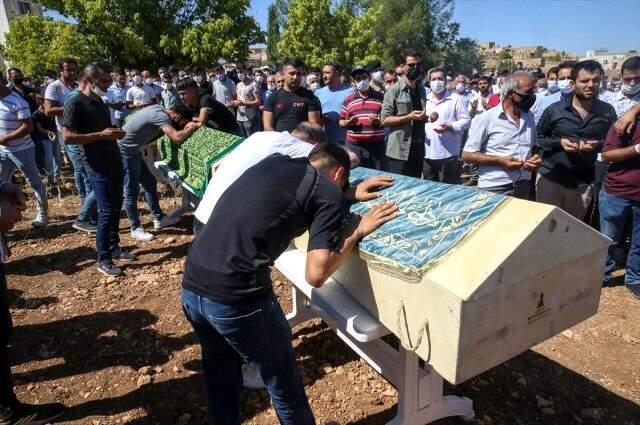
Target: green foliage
356,31
464,57
35,44
153,32
504,55
273,34
540,51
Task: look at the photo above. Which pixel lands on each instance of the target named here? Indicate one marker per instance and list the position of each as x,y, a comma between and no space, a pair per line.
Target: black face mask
414,73
526,102
17,81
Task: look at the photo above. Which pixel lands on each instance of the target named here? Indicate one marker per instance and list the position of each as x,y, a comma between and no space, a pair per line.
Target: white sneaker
41,220
141,235
165,221
251,378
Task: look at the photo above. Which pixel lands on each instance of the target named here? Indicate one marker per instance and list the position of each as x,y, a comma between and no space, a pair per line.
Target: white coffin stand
420,397
189,199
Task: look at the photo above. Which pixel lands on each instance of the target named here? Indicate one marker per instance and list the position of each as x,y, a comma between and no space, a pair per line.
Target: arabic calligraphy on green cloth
433,219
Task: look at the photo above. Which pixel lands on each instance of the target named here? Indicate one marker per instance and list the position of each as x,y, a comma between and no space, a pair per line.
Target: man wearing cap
374,68
361,117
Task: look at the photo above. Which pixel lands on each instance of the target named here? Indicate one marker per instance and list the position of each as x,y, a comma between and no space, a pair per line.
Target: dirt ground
119,351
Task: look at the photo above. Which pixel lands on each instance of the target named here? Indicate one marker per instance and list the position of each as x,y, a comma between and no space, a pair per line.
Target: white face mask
313,86
436,86
98,91
460,88
541,89
362,85
271,87
137,80
629,90
552,85
377,75
148,81
198,79
259,79
565,86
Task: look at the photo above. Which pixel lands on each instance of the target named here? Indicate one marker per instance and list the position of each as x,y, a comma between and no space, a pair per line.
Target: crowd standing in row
558,138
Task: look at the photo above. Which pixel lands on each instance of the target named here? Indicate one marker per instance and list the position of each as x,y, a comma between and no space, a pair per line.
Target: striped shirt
357,106
14,110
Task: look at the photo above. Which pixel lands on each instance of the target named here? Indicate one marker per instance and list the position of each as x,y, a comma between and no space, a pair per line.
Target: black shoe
110,270
634,289
31,414
119,254
84,226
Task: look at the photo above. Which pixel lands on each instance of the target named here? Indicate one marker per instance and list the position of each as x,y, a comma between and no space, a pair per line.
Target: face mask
259,79
198,79
362,85
526,103
271,87
387,86
137,80
436,86
241,77
221,77
148,81
313,86
541,89
168,86
17,81
552,85
460,88
377,76
630,90
414,73
565,86
97,91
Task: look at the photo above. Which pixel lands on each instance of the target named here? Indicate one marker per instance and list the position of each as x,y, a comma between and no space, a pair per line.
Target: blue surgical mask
565,86
552,85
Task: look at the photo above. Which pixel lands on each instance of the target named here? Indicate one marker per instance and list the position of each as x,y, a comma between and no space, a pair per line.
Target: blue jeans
614,214
25,161
83,184
107,189
257,334
136,173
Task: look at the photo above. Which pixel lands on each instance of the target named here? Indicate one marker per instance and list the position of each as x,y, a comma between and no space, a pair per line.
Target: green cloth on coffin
433,219
192,160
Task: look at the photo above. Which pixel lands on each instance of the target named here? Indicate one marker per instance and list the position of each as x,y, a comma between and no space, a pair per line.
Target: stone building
12,9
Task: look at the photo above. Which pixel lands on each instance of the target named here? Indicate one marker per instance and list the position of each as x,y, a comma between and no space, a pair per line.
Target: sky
571,25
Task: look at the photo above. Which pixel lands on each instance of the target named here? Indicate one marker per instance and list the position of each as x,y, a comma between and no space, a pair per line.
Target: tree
540,51
464,57
312,32
35,44
153,32
273,34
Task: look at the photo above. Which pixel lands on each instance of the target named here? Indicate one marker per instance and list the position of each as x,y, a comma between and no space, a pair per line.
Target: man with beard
403,112
570,135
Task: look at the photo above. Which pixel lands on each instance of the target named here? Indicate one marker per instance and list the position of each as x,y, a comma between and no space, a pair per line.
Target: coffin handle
402,317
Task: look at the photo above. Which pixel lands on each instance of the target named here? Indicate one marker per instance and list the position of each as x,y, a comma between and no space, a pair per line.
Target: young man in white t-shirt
17,149
247,103
139,94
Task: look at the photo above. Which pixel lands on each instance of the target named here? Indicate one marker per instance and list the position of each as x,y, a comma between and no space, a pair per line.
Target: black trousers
412,166
371,154
7,397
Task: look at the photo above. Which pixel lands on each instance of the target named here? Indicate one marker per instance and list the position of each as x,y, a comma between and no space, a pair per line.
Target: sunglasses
413,65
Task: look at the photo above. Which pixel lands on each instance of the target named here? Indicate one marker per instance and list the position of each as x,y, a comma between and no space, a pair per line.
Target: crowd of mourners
559,137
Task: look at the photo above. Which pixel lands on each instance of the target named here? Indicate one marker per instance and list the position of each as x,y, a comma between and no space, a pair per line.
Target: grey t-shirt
144,127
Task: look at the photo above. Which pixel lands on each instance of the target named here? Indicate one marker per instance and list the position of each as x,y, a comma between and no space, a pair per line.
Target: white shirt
246,94
496,133
253,150
140,94
13,111
58,91
224,91
451,109
479,97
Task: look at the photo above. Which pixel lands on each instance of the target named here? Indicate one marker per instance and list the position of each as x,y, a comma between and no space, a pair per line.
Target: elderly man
502,138
570,135
403,114
449,119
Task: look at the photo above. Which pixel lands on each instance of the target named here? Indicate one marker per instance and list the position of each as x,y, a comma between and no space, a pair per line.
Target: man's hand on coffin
511,163
533,163
568,145
369,189
376,217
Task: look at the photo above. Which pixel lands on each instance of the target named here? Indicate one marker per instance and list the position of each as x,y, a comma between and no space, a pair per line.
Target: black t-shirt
418,133
220,118
252,224
45,122
291,108
84,115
